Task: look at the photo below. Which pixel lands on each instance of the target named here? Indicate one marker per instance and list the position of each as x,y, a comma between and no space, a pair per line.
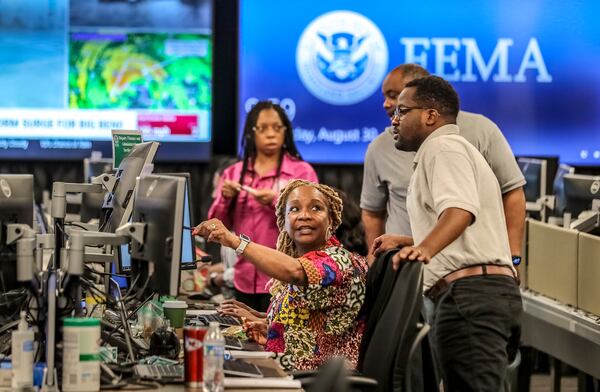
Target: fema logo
595,187
341,57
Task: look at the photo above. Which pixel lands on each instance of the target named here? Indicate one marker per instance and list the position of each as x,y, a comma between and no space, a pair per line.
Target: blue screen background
557,118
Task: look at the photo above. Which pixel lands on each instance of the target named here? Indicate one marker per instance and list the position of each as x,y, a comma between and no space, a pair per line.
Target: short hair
436,93
412,71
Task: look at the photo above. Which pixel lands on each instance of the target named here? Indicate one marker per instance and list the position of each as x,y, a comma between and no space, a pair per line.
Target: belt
482,269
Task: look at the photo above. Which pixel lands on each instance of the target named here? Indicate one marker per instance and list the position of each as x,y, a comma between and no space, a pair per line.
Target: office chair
379,286
332,377
395,353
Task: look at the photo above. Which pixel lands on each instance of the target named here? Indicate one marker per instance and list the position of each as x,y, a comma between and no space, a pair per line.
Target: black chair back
332,377
379,285
396,336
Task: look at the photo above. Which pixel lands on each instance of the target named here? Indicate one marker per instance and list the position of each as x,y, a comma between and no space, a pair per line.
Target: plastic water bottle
22,356
214,347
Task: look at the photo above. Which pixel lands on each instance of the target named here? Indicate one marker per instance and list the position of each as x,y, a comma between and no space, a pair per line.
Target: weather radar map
140,71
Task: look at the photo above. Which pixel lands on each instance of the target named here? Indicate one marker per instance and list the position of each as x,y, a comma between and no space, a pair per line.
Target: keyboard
172,373
237,367
233,343
225,321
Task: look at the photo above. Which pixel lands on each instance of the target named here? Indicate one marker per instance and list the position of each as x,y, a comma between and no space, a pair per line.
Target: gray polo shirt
387,170
450,173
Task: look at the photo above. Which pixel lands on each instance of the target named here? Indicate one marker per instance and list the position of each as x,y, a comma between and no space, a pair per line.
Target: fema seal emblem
341,57
595,187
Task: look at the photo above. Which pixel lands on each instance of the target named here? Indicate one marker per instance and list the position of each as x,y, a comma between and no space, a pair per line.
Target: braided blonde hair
334,205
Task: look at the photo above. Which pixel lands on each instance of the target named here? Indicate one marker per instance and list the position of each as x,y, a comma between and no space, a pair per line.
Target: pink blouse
254,219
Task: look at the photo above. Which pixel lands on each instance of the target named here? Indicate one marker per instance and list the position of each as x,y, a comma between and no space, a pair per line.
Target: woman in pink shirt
247,192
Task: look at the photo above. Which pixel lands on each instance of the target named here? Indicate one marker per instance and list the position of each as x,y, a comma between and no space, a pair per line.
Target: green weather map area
140,71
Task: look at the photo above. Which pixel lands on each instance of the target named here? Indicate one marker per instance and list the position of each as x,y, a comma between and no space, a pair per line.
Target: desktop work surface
263,363
274,376
568,334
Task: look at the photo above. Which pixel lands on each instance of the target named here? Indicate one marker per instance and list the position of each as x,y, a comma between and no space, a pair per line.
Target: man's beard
405,144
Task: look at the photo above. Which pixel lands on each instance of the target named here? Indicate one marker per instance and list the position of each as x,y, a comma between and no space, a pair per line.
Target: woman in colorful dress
317,285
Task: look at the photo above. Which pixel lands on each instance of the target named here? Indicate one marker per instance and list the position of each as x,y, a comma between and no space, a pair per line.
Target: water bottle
214,347
22,356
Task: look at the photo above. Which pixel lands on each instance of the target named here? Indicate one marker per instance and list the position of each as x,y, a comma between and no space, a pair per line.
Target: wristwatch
212,277
244,241
516,260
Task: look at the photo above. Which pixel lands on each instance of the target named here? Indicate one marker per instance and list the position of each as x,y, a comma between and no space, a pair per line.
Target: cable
134,296
88,269
204,259
131,286
91,287
76,225
106,216
115,327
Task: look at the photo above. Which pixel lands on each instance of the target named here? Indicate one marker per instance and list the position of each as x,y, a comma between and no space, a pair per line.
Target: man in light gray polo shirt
459,231
387,170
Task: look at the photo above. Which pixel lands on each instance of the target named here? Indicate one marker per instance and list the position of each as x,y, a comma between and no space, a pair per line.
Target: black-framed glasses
403,111
277,128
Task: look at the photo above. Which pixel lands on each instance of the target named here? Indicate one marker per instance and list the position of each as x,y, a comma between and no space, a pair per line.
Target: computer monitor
580,191
535,172
91,206
91,203
558,188
119,201
16,206
123,265
188,250
187,242
95,167
159,202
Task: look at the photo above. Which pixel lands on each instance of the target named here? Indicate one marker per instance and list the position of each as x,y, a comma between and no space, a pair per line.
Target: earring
328,233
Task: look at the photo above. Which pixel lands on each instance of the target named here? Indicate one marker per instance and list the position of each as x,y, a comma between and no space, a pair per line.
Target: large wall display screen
531,66
73,70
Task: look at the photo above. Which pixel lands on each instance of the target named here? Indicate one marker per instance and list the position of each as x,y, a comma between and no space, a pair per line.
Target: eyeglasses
277,128
403,111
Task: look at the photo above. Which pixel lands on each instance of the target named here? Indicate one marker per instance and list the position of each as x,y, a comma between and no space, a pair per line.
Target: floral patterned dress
309,325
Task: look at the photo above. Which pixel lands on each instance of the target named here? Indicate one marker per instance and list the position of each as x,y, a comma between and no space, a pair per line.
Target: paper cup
175,312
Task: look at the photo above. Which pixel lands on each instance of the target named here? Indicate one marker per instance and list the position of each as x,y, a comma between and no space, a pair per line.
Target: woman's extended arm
276,264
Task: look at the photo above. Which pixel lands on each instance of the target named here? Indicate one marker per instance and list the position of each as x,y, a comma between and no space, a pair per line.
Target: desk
269,366
563,332
267,363
181,388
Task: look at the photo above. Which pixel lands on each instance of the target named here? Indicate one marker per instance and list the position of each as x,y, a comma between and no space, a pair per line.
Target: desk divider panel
588,292
552,257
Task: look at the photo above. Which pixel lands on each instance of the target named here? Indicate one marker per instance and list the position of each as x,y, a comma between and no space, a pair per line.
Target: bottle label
216,350
28,346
